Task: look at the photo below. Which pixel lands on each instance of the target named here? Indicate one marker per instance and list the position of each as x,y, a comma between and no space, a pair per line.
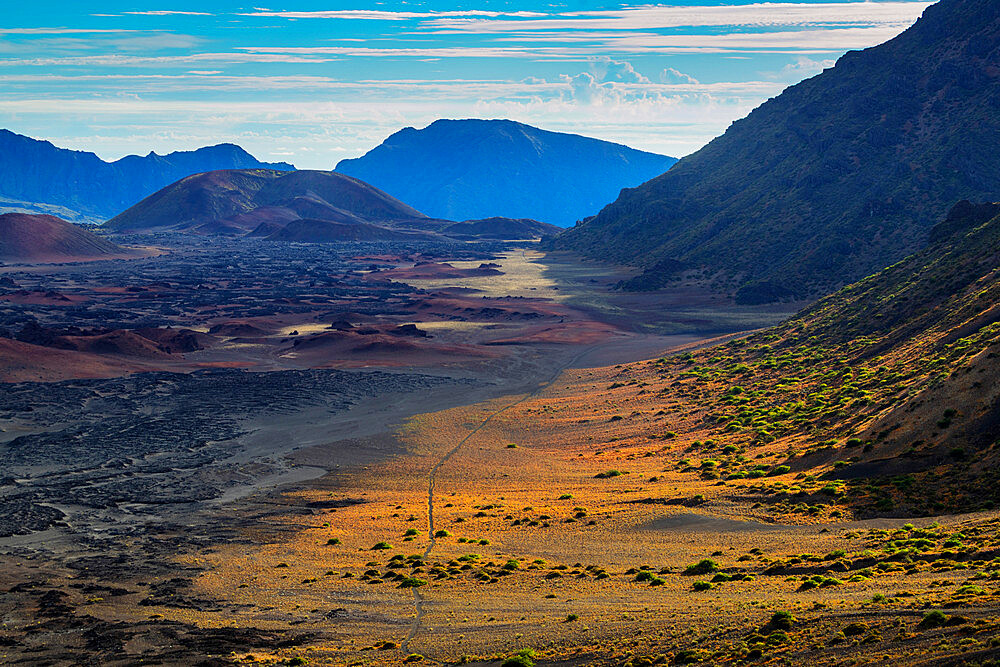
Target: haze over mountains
835,178
36,176
303,206
473,169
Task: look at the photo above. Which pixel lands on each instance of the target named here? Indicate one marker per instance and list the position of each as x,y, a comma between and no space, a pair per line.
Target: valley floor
564,510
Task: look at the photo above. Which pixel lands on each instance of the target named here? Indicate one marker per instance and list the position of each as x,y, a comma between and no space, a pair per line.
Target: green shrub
381,546
607,474
412,582
333,541
702,585
782,620
856,628
779,470
933,619
704,566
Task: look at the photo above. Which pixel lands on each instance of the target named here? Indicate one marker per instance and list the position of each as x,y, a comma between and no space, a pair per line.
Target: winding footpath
418,597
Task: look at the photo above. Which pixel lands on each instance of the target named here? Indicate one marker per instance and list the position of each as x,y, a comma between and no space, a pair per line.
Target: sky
313,82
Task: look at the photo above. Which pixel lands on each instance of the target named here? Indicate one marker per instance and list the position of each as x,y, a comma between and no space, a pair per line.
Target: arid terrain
200,402
497,454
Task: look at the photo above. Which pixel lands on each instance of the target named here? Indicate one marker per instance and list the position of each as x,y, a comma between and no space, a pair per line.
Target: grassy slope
893,377
822,184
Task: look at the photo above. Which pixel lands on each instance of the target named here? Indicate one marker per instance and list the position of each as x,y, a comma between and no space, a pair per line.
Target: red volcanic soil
578,333
434,271
478,309
24,362
46,238
119,343
178,340
231,329
49,298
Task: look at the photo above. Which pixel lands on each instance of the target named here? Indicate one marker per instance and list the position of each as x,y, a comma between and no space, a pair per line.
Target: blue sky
313,82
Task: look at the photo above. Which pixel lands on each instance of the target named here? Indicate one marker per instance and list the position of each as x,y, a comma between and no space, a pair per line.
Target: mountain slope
474,169
46,238
238,201
881,392
35,175
833,178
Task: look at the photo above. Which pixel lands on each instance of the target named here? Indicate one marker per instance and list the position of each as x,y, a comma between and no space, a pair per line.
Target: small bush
856,628
522,658
780,470
412,582
333,541
571,617
607,474
704,566
413,657
381,546
783,620
933,619
518,661
702,585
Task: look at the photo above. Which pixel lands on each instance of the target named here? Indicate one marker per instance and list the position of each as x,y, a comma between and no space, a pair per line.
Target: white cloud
168,12
60,31
805,67
670,75
617,70
381,15
767,14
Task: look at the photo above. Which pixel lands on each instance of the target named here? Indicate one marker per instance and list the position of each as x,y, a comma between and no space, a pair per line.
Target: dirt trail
418,598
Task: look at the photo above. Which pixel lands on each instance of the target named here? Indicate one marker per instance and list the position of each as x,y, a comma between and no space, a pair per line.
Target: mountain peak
473,168
92,189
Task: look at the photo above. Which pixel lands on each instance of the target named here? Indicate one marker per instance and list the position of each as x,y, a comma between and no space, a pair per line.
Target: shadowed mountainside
830,180
43,238
473,169
37,176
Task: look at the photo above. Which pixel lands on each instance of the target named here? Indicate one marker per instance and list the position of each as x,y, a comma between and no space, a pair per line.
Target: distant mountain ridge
477,169
36,176
833,179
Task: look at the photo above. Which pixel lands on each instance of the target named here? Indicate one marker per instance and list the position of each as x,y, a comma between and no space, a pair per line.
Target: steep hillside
37,176
46,238
890,386
833,178
238,201
473,169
